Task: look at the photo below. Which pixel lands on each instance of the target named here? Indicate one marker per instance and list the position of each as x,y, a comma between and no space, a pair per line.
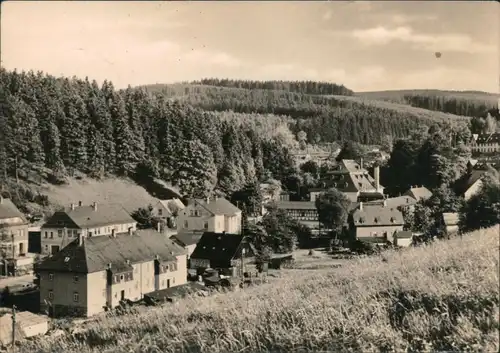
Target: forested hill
54,127
468,103
304,87
327,118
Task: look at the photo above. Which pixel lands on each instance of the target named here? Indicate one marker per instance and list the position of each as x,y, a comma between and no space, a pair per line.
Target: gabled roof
488,138
296,205
218,206
419,193
217,247
464,183
96,253
186,238
451,218
172,205
86,216
9,210
377,215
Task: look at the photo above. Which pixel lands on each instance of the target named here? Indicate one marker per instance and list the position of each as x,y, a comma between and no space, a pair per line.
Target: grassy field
439,297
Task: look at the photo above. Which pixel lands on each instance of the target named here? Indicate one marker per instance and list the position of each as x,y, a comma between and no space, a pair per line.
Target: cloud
205,57
437,42
327,15
401,19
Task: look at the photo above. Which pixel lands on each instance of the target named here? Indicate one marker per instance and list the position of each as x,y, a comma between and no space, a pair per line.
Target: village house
13,238
375,223
303,211
167,211
27,325
91,275
354,181
485,143
402,203
187,239
89,221
210,215
227,253
469,184
418,193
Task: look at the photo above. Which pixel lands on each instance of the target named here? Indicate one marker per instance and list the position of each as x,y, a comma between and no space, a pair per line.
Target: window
205,225
51,235
186,224
59,233
160,212
76,297
75,279
196,213
121,278
191,213
51,295
46,235
51,276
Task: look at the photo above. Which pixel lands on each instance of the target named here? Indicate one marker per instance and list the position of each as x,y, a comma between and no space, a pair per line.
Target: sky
367,46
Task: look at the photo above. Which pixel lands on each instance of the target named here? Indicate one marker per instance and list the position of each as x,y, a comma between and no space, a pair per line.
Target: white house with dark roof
376,223
87,220
13,230
93,274
486,143
165,209
210,215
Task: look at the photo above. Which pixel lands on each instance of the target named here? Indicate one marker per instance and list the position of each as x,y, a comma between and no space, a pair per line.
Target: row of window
186,225
76,296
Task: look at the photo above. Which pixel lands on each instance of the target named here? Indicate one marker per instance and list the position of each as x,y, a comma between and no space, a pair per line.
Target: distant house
91,275
451,222
303,211
398,202
469,184
167,210
352,179
419,193
89,221
210,215
223,252
13,236
188,240
486,143
375,223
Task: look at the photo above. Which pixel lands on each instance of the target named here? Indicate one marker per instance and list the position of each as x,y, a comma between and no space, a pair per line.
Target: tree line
64,126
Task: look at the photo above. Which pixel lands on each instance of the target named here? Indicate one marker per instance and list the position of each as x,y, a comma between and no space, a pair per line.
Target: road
11,281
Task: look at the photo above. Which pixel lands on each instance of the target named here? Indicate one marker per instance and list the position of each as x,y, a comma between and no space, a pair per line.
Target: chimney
361,206
158,227
361,163
385,203
80,239
79,204
94,206
72,206
208,199
216,197
376,173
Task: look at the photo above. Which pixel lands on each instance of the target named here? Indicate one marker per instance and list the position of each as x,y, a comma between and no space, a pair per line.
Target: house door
168,283
54,249
122,295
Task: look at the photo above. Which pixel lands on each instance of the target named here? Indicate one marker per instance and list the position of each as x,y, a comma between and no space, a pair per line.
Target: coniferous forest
198,137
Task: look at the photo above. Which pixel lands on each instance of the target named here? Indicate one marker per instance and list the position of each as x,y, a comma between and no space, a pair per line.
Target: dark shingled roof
217,247
97,252
488,138
464,183
85,216
9,210
377,215
218,206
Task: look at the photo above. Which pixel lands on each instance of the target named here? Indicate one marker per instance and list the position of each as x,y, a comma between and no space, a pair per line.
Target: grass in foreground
440,297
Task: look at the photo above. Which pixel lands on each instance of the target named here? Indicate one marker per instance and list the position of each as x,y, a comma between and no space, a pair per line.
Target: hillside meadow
441,297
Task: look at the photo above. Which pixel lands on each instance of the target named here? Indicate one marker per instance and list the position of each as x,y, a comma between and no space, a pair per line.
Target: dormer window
376,220
392,220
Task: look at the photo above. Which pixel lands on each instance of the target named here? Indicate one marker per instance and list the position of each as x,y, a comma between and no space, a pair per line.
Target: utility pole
13,327
13,253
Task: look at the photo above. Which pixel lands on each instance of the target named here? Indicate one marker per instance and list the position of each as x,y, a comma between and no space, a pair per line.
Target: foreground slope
439,297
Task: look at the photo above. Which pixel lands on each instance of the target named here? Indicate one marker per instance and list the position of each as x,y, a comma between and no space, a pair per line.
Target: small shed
403,238
27,325
451,221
